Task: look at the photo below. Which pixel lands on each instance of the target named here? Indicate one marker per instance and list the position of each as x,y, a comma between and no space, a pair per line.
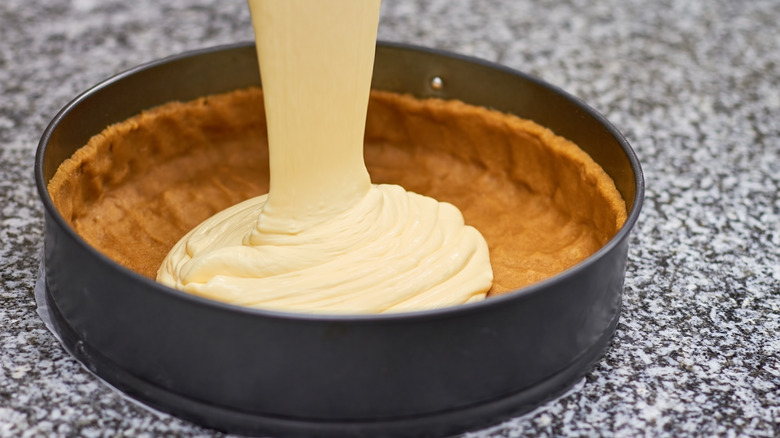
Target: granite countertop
694,86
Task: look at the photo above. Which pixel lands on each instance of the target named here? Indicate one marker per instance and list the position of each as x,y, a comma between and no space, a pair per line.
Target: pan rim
445,312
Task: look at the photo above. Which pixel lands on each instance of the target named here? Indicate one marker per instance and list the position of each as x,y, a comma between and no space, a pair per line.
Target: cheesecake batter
324,239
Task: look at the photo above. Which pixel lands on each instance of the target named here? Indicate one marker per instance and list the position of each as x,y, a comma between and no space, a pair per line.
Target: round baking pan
253,371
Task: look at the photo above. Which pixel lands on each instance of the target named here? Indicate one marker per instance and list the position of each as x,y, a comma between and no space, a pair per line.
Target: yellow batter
325,239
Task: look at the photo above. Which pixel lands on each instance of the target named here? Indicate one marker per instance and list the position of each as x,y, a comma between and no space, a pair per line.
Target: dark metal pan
262,372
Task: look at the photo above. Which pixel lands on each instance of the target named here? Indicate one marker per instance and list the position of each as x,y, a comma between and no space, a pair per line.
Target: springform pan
259,372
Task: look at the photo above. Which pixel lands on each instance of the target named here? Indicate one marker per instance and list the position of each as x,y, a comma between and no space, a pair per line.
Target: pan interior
542,204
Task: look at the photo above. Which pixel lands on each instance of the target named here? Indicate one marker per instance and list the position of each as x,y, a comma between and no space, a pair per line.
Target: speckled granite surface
694,85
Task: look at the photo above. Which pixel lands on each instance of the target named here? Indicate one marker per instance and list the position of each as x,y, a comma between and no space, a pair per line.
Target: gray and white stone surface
695,87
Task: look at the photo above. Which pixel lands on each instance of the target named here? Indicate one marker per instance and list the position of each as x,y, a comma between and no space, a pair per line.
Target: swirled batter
394,251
